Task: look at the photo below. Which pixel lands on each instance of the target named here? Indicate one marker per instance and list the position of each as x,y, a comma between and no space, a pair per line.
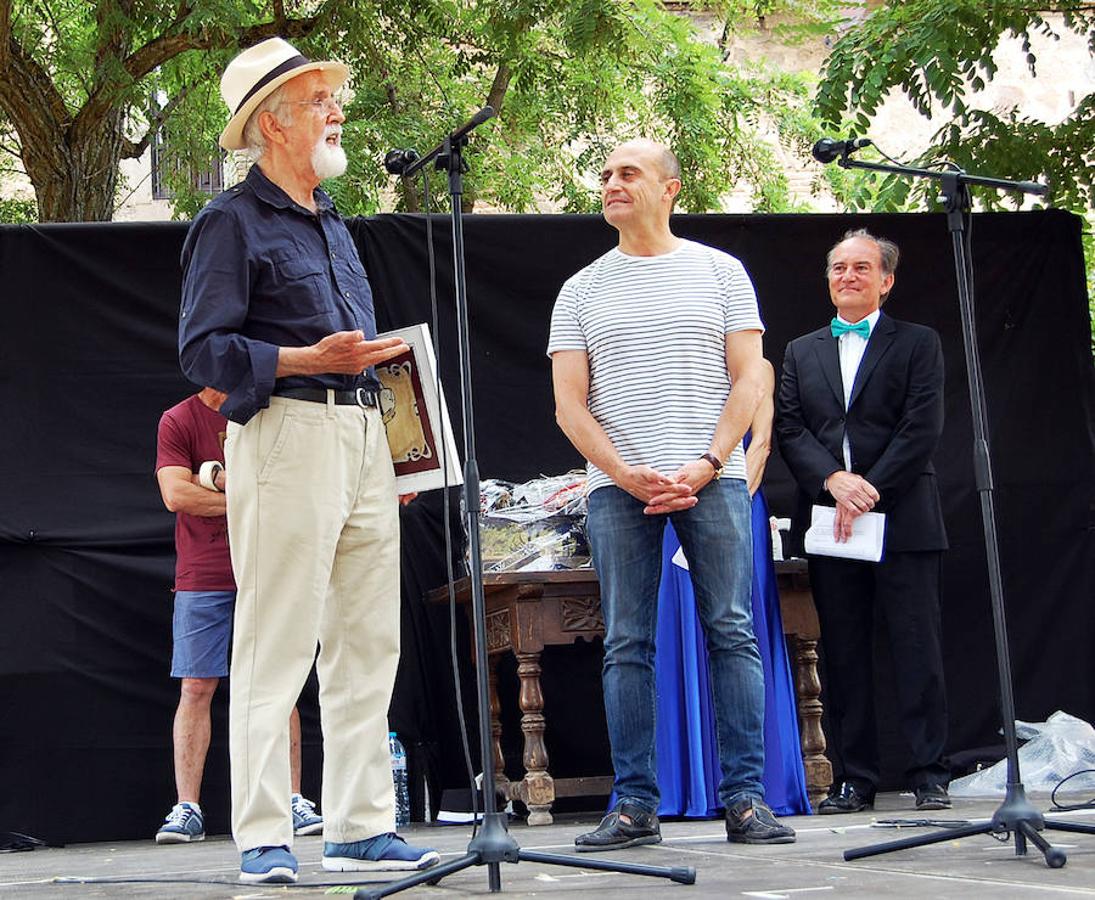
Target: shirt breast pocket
293,266
301,284
349,272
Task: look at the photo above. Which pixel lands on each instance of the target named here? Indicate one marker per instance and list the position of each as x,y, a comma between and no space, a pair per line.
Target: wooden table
527,611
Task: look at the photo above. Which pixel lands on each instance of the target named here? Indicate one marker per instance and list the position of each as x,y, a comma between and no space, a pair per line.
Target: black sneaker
614,833
750,821
932,796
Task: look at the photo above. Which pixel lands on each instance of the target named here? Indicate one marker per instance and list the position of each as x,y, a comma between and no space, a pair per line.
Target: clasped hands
666,493
854,496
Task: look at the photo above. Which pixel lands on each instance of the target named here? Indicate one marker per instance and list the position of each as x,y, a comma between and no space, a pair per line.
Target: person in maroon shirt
192,433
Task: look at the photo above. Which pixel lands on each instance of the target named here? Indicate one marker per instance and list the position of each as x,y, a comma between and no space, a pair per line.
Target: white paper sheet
866,542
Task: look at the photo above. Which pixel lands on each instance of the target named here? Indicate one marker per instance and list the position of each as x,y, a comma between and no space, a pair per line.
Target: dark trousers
904,591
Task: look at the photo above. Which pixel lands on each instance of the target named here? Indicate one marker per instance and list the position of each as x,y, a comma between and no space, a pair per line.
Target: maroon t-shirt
189,434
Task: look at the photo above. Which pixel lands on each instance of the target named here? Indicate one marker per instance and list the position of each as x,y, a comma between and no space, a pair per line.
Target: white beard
328,160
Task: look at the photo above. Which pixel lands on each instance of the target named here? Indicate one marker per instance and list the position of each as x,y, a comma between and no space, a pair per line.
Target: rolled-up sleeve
216,291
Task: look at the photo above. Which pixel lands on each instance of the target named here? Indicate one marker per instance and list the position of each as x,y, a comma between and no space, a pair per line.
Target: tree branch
174,41
498,88
135,149
412,198
23,80
5,34
288,28
162,48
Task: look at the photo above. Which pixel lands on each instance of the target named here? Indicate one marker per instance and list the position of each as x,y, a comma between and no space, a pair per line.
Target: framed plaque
416,417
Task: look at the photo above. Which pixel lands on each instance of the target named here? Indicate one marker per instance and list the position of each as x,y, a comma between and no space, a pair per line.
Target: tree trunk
412,195
75,175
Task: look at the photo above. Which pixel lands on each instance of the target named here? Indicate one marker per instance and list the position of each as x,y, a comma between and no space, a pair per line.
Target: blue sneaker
383,853
268,865
183,824
305,818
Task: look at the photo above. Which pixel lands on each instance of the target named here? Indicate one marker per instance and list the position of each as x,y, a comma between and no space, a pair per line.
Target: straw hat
257,72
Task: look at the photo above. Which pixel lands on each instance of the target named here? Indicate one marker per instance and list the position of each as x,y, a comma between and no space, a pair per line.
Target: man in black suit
859,414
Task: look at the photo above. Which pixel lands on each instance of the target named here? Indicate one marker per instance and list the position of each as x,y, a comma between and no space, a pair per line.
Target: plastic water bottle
399,778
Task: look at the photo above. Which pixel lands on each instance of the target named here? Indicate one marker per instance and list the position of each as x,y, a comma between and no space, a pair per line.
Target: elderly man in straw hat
277,313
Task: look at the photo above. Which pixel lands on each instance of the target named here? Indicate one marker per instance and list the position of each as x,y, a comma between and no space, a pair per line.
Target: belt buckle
362,397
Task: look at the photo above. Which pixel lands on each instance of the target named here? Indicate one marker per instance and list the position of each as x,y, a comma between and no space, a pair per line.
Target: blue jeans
716,536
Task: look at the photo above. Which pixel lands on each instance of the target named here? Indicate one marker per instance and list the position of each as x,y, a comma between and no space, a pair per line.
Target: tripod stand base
494,845
1015,816
679,874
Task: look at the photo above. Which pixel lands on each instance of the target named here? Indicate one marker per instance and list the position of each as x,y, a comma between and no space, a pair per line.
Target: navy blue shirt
262,272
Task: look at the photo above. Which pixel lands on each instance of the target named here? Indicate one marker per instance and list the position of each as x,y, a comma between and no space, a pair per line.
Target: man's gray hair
671,168
254,142
887,250
670,165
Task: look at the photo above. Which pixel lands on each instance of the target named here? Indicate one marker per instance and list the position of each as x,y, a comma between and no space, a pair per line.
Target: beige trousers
313,523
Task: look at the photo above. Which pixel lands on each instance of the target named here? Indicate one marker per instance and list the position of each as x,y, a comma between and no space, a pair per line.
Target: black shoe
614,833
845,799
750,821
932,796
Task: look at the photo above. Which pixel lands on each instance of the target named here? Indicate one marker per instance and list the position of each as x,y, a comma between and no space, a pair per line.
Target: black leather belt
358,397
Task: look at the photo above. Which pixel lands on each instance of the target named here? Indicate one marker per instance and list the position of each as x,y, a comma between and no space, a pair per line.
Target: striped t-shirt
654,328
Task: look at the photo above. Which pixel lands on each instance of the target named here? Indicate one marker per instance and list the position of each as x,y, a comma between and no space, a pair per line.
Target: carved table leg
538,788
501,781
819,771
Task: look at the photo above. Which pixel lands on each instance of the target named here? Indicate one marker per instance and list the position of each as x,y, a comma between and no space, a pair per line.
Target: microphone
407,162
397,161
828,149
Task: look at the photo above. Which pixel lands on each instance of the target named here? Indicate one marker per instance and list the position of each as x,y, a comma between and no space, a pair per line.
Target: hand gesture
348,353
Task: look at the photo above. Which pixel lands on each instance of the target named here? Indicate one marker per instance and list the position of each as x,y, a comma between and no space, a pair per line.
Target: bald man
657,369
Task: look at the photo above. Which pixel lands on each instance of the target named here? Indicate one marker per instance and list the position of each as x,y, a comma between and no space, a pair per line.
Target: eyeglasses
324,106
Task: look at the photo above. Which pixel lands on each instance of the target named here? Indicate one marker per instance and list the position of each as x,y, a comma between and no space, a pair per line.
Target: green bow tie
862,328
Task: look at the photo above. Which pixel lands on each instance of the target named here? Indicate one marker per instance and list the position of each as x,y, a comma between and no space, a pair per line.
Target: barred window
208,178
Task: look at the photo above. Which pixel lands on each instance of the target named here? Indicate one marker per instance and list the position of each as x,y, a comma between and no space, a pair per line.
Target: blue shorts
202,628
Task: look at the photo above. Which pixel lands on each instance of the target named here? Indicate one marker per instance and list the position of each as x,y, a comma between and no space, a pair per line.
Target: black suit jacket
894,421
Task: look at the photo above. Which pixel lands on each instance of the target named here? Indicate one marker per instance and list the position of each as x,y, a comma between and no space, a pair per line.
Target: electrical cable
887,156
920,823
446,510
17,842
1090,804
227,882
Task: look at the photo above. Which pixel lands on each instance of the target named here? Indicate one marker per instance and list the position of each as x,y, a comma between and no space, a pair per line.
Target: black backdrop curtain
88,361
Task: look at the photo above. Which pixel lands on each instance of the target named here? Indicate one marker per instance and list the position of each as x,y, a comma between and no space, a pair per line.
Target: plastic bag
1054,749
535,526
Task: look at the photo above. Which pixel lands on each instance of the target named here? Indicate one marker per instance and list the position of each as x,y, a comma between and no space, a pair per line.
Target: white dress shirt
852,348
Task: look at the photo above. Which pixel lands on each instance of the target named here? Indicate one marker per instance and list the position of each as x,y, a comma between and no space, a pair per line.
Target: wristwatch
716,463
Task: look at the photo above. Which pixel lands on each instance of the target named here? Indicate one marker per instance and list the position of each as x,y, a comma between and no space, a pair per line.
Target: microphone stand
493,844
1015,816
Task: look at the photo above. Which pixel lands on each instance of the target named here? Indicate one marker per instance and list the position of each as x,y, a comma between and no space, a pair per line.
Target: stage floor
976,867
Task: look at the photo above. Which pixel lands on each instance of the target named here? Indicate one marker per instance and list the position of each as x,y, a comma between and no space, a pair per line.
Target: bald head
657,154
